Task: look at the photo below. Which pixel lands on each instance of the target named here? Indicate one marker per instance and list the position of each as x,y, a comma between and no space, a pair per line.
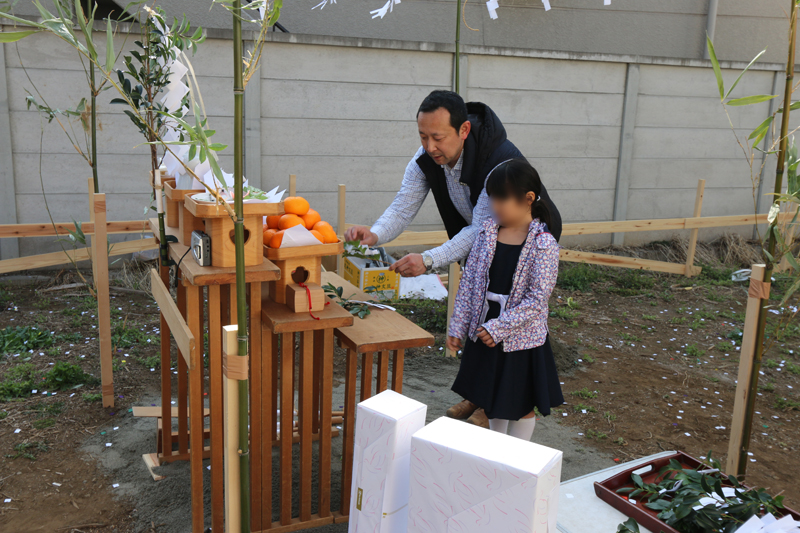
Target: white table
581,511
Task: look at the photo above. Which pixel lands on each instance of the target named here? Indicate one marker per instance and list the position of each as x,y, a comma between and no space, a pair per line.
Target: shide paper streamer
491,5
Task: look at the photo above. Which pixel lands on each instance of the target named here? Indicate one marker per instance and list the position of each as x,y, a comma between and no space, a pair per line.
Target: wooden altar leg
225,300
166,379
317,377
216,421
232,309
183,430
383,372
256,413
194,321
366,375
397,370
287,406
269,354
305,391
275,386
349,428
326,374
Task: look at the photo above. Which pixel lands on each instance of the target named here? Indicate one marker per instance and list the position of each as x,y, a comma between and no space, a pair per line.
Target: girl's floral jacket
523,323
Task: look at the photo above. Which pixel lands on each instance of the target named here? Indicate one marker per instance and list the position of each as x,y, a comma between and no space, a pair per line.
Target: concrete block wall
341,110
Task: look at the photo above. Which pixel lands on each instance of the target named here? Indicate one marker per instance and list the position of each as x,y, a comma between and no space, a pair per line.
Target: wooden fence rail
63,228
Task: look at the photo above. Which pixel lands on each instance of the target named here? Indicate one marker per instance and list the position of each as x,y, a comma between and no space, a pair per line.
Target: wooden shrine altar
280,342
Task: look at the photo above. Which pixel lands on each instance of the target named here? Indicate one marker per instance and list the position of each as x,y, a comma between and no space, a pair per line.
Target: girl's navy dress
507,385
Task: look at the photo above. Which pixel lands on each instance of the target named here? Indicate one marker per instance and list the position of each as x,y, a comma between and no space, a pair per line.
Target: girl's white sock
499,425
522,428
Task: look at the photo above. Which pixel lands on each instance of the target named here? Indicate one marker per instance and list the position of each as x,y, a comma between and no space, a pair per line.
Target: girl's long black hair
515,178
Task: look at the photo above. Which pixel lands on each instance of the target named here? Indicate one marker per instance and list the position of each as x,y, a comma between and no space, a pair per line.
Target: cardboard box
467,479
375,275
379,493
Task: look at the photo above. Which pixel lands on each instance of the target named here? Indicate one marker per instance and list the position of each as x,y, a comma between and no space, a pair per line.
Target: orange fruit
318,235
289,220
272,221
275,241
311,218
328,234
268,233
295,205
322,224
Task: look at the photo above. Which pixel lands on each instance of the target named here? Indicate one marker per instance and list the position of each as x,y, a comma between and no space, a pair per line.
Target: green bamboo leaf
23,22
212,160
755,99
790,292
109,46
793,107
14,36
762,128
217,147
715,64
87,32
745,70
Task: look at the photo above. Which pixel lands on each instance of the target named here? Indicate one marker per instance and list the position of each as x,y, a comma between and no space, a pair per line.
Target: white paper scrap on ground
425,286
492,6
379,493
298,236
467,479
606,2
546,5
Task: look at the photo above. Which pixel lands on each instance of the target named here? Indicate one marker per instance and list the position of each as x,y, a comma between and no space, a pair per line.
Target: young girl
507,365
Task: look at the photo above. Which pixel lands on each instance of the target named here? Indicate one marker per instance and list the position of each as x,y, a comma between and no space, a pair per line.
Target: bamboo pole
292,185
762,315
698,207
340,228
457,58
93,111
241,297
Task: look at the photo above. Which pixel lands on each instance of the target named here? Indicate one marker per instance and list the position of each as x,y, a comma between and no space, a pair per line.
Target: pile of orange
298,212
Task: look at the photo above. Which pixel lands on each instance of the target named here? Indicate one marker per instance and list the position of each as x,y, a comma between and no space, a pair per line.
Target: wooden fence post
739,441
453,278
340,228
100,274
698,207
233,495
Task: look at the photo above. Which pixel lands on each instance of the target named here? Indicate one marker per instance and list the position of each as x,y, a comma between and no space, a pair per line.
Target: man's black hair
449,100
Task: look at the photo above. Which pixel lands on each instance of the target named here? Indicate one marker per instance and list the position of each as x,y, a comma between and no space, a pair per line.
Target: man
461,144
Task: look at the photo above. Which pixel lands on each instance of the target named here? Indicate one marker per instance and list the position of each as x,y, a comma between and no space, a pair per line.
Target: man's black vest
486,147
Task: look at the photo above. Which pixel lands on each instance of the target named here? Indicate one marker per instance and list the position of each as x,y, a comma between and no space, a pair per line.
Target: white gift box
469,479
379,493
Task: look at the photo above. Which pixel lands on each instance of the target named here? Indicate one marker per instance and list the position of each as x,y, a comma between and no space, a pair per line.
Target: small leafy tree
145,75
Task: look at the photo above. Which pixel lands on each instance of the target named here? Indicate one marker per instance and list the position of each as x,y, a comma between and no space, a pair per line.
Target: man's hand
409,266
362,234
453,343
485,337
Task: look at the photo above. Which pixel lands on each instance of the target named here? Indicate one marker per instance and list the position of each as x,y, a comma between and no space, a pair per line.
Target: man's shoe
461,410
479,419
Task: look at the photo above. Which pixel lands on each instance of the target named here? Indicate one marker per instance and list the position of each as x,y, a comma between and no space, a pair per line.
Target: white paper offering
298,236
770,524
379,493
469,479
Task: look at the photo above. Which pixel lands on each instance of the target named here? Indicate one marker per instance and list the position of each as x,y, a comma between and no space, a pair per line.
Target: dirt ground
649,363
